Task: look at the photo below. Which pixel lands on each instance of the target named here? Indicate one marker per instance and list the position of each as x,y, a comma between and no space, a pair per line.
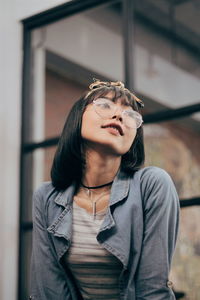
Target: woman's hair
68,163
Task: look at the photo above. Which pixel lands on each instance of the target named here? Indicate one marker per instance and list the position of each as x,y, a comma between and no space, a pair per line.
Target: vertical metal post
25,161
128,34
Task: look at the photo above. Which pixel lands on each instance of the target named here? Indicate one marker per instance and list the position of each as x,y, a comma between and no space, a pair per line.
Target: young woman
104,228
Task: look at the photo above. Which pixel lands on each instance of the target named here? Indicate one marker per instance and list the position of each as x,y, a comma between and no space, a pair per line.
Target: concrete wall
25,9
10,80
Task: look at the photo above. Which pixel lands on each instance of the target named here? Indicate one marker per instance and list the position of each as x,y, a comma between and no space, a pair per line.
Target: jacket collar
65,198
120,188
62,225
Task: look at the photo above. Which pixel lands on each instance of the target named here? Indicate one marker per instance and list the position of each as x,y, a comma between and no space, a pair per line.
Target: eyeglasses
106,109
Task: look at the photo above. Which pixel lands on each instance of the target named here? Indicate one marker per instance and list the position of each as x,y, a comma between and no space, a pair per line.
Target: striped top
95,270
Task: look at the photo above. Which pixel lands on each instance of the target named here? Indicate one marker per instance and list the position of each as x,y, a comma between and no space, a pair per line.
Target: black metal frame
128,30
171,114
45,18
62,11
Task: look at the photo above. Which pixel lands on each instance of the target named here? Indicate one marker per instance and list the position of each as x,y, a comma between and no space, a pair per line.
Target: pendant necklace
89,189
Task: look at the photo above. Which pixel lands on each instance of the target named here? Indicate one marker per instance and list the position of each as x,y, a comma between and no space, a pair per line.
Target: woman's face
109,135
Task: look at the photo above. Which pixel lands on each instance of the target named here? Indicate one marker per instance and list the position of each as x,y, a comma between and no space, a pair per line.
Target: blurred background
50,53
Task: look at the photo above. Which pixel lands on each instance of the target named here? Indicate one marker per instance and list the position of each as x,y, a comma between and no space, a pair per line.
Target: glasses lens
104,108
132,119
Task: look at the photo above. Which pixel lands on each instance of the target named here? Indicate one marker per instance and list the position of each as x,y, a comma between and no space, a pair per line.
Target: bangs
115,94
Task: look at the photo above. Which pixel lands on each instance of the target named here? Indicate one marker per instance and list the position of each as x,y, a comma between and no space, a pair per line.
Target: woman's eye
105,105
129,113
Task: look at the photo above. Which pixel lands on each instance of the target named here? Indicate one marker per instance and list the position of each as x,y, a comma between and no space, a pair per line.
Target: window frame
45,18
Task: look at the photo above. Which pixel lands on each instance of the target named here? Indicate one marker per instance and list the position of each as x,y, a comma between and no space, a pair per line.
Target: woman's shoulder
156,186
153,178
154,174
45,191
44,188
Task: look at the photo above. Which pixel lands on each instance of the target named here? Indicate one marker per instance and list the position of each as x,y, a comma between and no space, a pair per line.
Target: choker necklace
96,187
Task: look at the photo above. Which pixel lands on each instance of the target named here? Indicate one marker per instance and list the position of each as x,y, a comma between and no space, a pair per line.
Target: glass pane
43,159
167,66
48,156
67,55
61,93
174,148
186,264
38,165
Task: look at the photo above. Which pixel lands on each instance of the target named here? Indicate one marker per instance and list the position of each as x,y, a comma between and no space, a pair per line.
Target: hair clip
99,84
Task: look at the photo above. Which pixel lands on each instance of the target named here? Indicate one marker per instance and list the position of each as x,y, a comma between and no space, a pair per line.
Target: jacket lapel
61,227
108,233
119,191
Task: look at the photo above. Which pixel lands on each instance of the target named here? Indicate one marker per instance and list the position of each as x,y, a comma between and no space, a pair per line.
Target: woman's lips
114,128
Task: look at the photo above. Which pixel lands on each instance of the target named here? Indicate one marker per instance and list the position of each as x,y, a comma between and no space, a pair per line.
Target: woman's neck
100,168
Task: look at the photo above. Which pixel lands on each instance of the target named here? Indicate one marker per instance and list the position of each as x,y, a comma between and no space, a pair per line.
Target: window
66,47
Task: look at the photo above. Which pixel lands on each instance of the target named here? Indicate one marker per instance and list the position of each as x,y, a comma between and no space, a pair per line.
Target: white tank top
95,270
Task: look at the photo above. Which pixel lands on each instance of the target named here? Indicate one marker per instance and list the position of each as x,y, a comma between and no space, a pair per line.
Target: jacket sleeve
48,279
161,217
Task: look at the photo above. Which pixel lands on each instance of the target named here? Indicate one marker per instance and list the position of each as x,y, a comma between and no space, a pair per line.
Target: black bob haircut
68,164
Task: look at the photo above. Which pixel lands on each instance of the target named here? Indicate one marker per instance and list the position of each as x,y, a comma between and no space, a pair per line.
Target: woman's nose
118,118
118,115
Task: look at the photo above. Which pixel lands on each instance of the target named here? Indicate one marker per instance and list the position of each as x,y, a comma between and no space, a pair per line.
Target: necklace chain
94,202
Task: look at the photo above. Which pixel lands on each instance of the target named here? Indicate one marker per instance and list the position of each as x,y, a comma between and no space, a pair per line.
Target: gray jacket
140,229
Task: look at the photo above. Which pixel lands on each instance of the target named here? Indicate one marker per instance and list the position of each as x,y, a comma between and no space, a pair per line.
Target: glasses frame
138,118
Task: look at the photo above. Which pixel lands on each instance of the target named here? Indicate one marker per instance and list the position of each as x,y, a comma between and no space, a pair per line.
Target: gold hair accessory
99,84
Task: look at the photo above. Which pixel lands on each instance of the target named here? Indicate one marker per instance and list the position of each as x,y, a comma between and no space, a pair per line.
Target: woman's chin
106,148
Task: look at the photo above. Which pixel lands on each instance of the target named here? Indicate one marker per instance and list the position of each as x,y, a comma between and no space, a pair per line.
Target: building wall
10,103
25,9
